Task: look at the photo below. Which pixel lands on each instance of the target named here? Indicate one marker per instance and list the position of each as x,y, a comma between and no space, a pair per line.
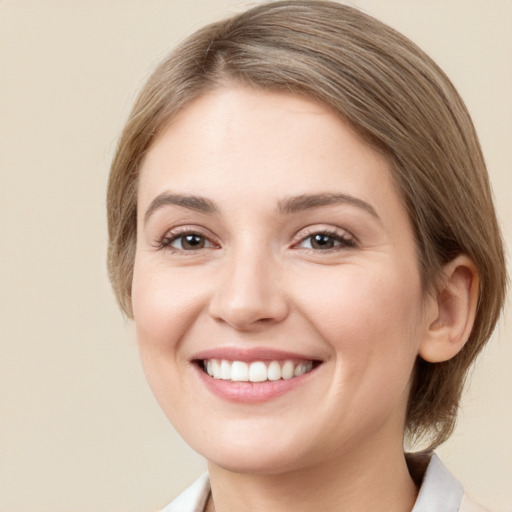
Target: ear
451,312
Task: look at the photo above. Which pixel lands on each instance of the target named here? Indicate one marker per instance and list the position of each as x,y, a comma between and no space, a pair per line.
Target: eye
189,241
325,241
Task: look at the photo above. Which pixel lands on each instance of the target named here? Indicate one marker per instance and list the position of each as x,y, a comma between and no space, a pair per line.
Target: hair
395,97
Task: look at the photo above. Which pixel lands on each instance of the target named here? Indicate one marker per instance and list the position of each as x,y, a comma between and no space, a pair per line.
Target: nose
249,294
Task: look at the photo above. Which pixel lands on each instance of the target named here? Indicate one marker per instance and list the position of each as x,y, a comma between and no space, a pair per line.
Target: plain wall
79,429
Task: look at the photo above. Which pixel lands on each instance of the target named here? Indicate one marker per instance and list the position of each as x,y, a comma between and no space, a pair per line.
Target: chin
256,463
269,455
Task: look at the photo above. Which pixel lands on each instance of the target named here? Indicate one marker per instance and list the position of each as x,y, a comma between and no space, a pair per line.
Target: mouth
256,371
254,375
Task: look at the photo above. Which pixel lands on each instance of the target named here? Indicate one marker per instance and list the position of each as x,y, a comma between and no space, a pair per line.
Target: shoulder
193,499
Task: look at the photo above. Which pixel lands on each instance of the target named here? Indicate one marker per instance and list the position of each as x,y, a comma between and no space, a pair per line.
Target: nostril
247,296
246,318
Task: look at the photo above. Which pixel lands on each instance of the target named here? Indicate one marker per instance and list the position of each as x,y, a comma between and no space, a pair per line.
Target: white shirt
440,491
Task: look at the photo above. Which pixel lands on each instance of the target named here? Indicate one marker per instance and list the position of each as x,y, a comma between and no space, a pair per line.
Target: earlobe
455,308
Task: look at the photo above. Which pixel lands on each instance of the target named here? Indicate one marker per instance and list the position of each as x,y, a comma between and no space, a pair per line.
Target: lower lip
252,392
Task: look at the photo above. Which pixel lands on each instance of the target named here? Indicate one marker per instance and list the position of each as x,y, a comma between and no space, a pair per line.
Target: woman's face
273,246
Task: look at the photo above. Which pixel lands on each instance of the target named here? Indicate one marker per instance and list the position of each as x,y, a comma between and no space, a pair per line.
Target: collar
440,491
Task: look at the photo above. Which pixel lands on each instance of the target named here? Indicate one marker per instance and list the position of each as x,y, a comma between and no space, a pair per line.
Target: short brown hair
395,97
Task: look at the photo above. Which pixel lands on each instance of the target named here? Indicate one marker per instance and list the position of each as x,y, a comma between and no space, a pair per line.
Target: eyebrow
196,203
285,206
310,201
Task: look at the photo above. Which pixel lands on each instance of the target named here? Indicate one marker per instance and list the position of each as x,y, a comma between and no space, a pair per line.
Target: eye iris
320,241
192,242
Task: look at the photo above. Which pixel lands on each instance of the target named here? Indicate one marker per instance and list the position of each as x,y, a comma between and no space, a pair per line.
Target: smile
253,375
257,371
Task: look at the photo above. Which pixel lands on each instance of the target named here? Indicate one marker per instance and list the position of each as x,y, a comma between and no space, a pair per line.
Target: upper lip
249,355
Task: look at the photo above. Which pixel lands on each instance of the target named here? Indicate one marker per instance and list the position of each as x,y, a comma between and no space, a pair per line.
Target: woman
302,228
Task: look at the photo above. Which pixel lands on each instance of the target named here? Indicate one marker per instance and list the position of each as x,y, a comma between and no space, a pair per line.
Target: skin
257,281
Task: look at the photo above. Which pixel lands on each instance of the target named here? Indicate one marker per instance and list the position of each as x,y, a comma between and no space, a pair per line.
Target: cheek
367,315
164,305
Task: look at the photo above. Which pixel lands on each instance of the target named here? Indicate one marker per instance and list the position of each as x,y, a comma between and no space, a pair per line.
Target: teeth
274,371
303,368
240,371
215,368
225,371
257,372
299,370
287,370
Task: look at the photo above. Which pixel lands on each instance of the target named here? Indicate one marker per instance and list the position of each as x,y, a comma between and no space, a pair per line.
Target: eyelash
169,238
341,241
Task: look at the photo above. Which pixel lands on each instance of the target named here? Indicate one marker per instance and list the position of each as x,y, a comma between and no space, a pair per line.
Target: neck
372,483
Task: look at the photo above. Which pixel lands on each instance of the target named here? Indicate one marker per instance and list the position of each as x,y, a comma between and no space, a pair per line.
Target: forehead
239,142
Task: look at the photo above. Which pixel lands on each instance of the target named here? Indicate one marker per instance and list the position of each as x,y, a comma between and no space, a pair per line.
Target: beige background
79,430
